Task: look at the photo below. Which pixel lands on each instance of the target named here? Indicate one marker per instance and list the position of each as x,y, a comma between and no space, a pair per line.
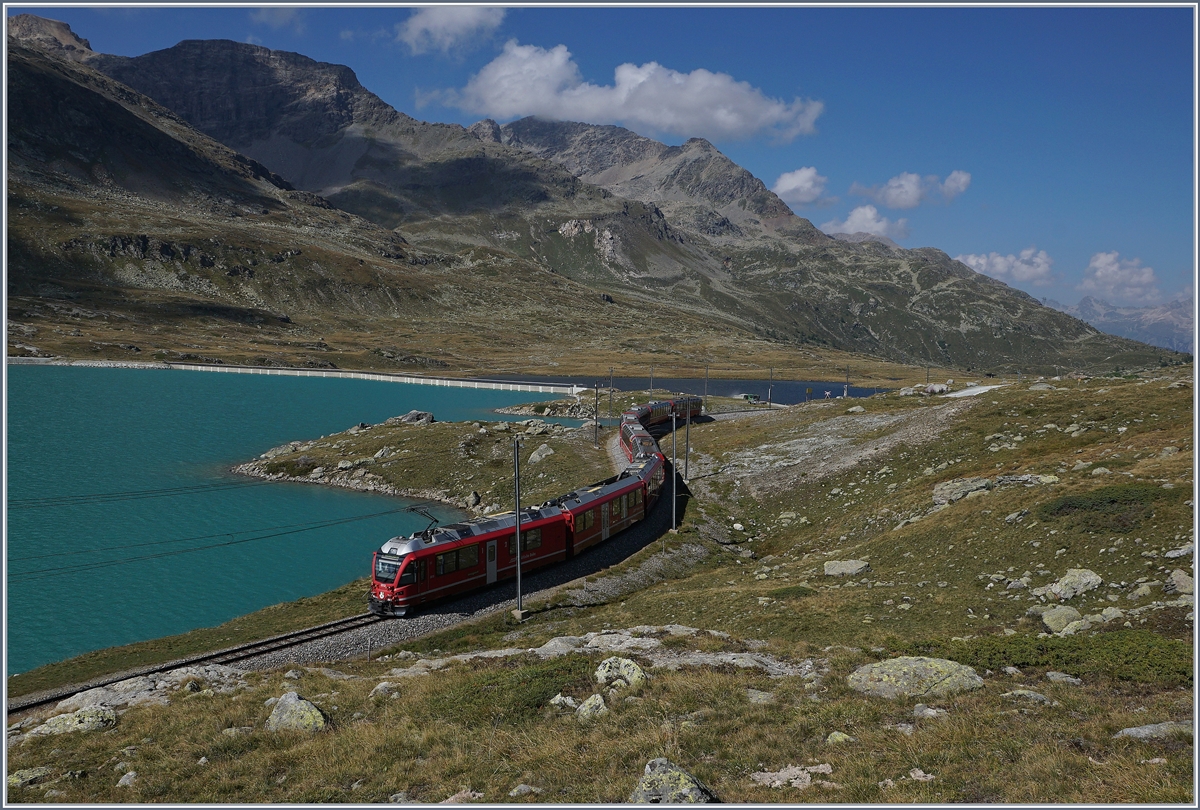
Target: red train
448,560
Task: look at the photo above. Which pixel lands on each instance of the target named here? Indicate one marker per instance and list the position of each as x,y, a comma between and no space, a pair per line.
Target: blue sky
1052,148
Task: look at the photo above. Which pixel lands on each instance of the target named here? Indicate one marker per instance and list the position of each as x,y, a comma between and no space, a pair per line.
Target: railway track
226,656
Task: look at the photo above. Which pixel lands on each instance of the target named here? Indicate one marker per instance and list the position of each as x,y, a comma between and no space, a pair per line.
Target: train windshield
387,566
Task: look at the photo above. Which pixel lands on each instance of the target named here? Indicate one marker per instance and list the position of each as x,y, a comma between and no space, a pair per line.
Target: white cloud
1032,266
908,190
279,18
800,187
1119,281
441,28
956,183
866,219
529,80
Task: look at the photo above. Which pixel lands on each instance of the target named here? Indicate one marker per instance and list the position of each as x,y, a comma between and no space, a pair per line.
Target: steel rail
227,655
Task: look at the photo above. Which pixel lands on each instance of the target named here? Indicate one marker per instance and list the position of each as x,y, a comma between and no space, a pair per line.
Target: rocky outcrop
909,676
1157,731
959,488
1070,584
663,782
796,776
90,718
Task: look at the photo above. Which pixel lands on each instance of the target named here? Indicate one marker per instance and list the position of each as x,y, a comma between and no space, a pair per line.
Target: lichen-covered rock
620,673
666,783
294,713
846,568
564,702
838,737
591,709
913,676
89,718
1057,618
28,776
959,488
1156,731
127,780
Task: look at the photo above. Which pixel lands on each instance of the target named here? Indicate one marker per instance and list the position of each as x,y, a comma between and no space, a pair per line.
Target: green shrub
1125,655
1118,508
791,592
509,695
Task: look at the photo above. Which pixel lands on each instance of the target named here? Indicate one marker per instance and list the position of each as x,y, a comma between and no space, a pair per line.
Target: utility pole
706,388
519,613
674,479
687,444
651,391
610,386
597,419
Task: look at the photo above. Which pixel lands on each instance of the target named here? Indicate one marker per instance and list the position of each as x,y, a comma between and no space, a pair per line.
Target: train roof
584,496
471,528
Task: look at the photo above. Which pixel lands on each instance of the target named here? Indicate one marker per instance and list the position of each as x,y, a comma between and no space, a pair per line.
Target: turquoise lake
156,445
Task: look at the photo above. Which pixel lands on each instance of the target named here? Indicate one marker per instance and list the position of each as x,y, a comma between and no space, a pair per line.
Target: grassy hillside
806,485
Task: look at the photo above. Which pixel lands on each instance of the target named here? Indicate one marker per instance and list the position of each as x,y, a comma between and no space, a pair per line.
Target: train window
447,563
386,567
529,539
586,519
409,576
637,497
468,557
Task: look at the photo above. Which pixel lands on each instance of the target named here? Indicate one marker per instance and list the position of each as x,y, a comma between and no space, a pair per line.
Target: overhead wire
25,576
133,495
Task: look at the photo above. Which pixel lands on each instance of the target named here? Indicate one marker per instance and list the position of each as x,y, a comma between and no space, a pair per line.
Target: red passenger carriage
440,562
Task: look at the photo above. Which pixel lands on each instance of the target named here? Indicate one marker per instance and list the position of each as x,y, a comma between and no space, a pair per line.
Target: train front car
394,577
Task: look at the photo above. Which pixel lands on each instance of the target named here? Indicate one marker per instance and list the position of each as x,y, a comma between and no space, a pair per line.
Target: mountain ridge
598,205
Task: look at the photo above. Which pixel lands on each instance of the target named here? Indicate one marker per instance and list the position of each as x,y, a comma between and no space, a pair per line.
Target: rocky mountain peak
49,35
240,93
633,166
486,130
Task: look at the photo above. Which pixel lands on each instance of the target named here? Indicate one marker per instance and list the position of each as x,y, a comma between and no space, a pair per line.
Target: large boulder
1056,619
294,713
544,451
959,488
1073,583
666,783
846,568
913,676
1179,582
620,673
89,718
